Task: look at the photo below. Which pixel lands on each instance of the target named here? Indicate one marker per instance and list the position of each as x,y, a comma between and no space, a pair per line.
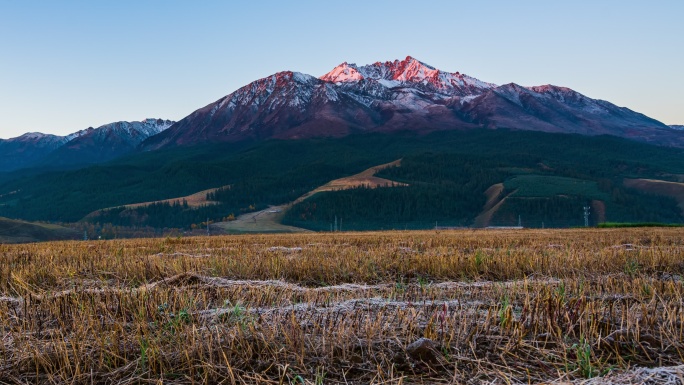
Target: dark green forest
442,187
448,190
447,173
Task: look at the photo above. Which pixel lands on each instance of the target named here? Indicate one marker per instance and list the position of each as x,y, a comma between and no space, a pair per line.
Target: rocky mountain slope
401,95
92,145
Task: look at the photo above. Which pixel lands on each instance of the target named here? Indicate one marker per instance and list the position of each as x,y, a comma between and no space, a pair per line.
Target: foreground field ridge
394,307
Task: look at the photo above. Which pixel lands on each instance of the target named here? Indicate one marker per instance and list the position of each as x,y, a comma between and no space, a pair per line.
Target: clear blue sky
67,65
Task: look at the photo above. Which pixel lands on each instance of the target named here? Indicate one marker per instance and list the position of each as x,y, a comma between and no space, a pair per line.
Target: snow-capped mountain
408,73
27,150
92,145
401,95
96,145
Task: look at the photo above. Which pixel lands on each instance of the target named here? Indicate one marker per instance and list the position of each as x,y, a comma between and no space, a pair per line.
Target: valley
444,177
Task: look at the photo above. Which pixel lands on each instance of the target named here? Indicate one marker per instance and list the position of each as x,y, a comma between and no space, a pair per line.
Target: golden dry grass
532,306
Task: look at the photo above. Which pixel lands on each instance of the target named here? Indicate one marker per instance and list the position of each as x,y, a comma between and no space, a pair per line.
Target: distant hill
17,231
27,150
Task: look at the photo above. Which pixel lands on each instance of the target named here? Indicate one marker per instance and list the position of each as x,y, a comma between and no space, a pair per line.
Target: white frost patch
285,249
667,375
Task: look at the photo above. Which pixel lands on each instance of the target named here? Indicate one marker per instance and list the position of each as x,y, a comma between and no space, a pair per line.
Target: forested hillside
546,178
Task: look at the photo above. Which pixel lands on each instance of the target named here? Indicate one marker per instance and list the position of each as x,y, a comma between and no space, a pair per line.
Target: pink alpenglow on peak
399,96
343,73
408,71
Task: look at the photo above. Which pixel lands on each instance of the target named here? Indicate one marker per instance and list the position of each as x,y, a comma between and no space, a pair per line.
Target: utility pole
207,226
85,235
335,223
586,216
519,221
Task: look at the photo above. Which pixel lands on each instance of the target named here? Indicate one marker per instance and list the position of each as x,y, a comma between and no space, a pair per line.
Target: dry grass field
463,307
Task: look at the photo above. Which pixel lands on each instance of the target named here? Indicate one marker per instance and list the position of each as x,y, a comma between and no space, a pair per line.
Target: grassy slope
193,200
533,186
15,231
269,220
494,201
365,178
659,187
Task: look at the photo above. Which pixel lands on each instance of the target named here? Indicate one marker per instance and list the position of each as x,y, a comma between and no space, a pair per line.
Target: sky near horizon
69,65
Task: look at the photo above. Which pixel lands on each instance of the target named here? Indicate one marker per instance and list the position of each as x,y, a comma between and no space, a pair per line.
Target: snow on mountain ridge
570,96
145,128
408,72
393,96
343,73
32,136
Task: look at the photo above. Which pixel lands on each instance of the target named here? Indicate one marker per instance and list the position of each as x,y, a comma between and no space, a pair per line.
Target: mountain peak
295,76
397,95
32,136
343,73
409,71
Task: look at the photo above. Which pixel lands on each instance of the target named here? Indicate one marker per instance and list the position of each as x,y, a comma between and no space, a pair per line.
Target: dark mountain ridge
89,146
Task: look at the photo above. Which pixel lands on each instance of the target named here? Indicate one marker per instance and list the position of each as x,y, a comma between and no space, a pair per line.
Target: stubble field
463,307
